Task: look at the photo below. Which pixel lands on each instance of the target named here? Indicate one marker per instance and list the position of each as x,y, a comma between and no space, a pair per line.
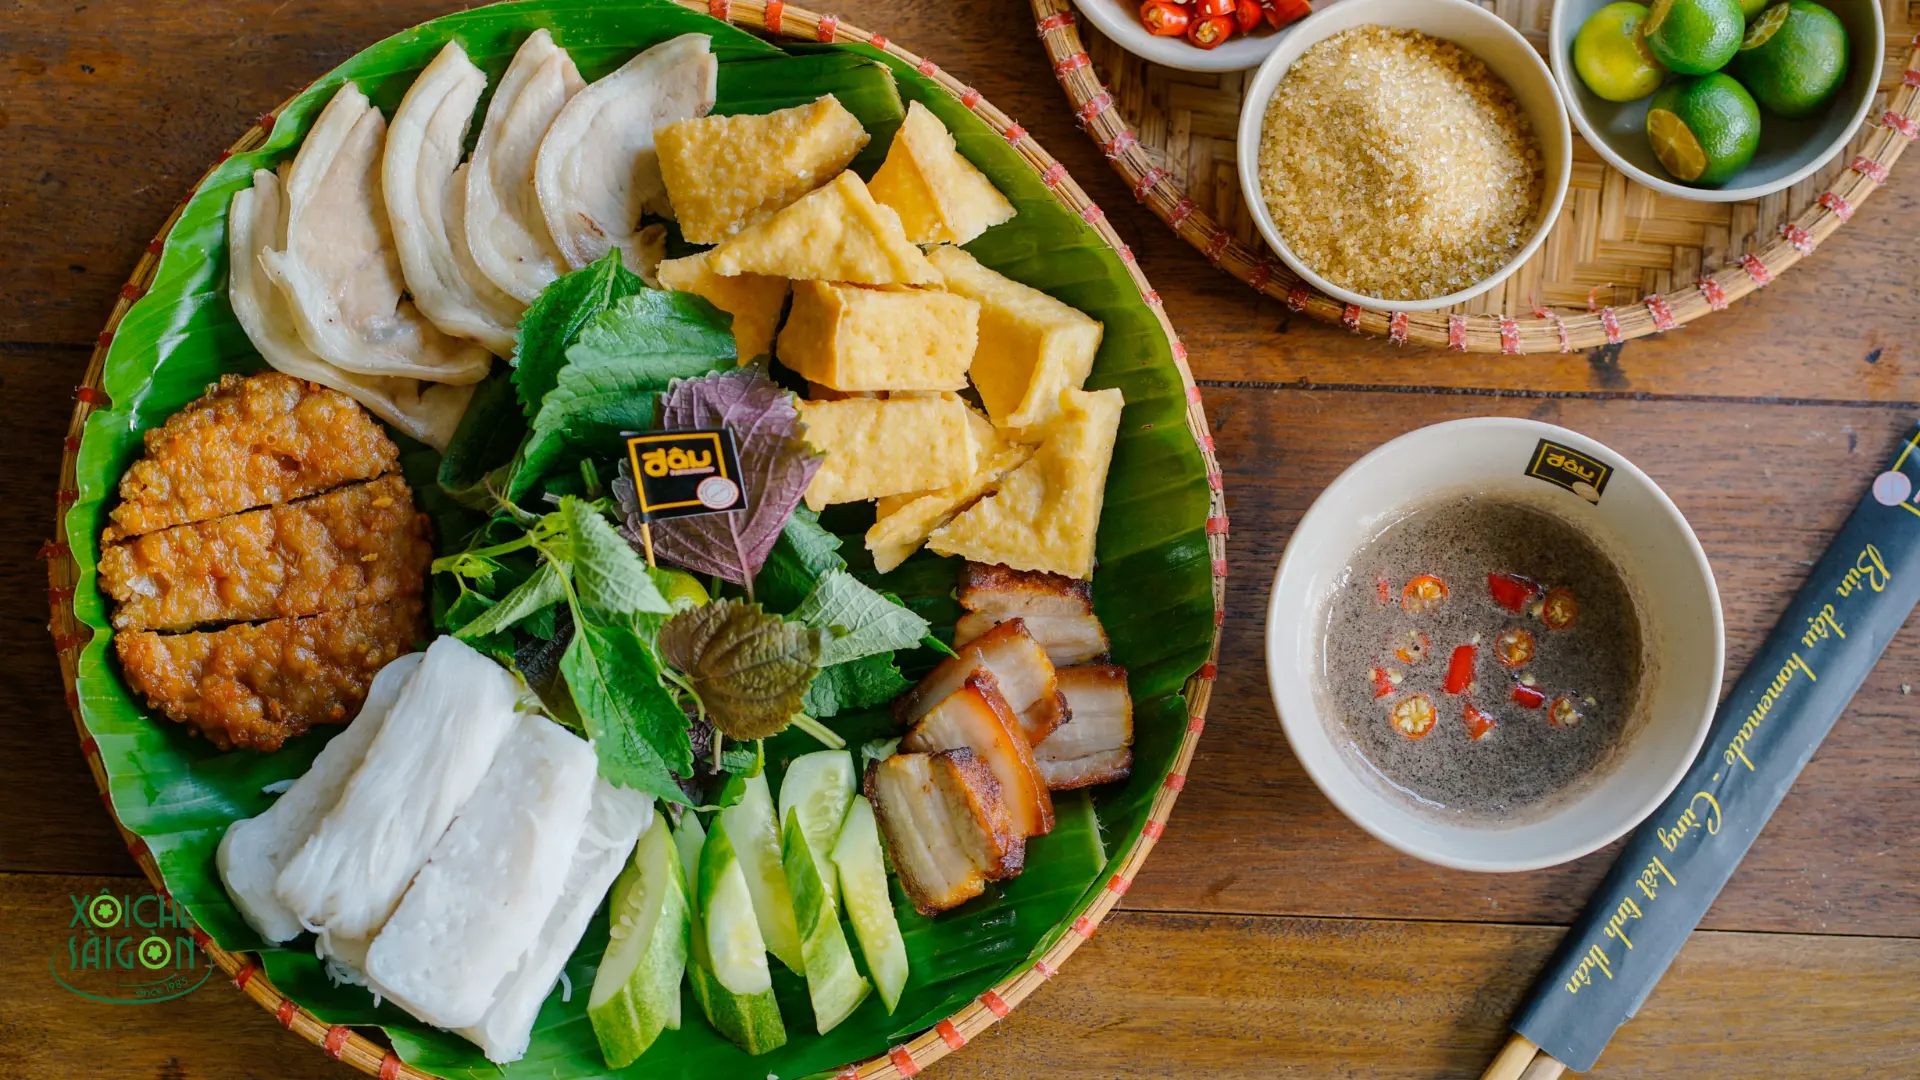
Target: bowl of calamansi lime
1717,100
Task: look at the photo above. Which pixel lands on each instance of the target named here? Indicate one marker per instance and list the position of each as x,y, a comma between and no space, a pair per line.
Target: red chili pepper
1209,33
1383,588
1478,723
1560,610
1283,12
1247,15
1511,591
1423,593
1164,18
1416,648
1207,9
1514,647
1460,670
1528,697
1563,712
1382,684
1414,716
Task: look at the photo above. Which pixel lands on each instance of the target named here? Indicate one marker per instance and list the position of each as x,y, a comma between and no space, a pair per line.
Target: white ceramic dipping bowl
1473,28
1790,150
1655,551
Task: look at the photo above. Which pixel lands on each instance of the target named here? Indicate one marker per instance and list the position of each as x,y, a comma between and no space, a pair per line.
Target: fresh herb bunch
642,659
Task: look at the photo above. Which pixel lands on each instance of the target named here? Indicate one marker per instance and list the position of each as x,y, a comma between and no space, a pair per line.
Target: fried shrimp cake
251,440
256,685
355,545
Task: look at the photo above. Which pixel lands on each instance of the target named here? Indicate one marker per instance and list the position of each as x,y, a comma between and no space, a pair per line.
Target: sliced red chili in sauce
1560,610
1563,712
1514,647
1528,697
1414,716
1460,670
1478,722
1382,684
1511,591
1416,648
1423,593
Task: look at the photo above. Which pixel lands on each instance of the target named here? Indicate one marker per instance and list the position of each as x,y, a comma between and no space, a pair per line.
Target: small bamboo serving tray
1621,262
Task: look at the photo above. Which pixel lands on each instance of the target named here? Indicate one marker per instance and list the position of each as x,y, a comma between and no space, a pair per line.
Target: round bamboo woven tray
1622,261
345,1044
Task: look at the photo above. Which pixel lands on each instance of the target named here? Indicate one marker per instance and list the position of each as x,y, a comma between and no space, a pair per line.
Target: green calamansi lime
682,590
1793,58
1704,129
1694,37
1610,53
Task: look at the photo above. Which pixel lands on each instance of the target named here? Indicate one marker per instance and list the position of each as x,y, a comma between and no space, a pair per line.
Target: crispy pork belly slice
977,718
945,827
1018,664
1058,610
1098,745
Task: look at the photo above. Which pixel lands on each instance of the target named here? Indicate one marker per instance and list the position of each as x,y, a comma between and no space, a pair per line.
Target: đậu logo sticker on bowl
681,473
1582,474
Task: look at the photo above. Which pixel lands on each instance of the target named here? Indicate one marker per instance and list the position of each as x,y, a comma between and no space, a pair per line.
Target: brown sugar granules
1397,165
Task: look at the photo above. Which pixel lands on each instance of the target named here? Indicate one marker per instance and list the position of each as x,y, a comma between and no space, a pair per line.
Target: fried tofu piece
1046,515
256,685
947,832
1020,668
1032,346
834,233
939,195
754,300
887,446
355,545
1058,610
724,173
848,338
250,440
1097,747
977,717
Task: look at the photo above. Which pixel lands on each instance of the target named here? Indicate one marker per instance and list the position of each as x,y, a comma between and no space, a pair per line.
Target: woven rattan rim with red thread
343,1043
1547,332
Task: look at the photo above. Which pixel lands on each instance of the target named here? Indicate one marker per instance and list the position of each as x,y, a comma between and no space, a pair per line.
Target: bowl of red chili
1197,35
1495,644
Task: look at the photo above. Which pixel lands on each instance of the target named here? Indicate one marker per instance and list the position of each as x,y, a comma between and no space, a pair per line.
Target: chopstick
1517,1061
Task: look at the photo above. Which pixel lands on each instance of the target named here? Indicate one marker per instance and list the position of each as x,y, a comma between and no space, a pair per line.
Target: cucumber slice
820,787
636,993
863,885
729,973
690,838
756,842
834,985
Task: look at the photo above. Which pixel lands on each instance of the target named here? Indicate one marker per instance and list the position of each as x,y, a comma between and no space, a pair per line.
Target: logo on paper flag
682,473
1582,474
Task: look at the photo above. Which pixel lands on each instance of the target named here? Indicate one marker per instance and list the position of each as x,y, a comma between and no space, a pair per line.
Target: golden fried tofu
724,173
351,546
888,446
850,338
939,195
754,300
250,440
256,685
1031,346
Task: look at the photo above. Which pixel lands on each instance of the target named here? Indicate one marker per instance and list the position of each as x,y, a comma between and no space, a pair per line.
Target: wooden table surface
1267,935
